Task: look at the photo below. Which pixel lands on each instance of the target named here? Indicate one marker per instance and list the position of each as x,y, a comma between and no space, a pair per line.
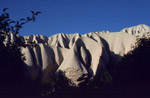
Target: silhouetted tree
11,58
133,73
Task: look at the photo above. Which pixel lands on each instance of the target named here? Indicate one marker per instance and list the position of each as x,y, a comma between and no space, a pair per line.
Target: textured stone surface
80,56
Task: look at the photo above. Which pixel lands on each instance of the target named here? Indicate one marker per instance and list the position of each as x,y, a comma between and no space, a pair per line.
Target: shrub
132,74
11,58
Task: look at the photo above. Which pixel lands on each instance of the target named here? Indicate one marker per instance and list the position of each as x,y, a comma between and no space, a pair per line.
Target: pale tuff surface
80,56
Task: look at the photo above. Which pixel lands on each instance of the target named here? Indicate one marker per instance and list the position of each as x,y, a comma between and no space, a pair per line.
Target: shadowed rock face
80,56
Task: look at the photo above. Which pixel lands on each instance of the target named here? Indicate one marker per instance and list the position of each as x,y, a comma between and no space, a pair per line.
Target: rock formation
79,56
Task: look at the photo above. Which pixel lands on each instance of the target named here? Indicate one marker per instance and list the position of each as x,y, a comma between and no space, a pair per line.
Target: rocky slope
80,56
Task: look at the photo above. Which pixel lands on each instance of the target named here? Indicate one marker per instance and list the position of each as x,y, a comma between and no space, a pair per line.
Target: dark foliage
60,86
11,58
132,76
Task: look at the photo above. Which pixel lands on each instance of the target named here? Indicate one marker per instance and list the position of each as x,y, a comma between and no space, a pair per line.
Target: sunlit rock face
140,30
79,56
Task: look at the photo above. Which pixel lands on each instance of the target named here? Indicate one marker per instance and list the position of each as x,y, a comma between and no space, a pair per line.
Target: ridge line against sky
78,16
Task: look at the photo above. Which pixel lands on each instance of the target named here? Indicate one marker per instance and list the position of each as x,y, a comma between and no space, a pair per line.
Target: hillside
80,56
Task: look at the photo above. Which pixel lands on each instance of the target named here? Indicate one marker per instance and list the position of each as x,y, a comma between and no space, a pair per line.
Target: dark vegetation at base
11,58
130,78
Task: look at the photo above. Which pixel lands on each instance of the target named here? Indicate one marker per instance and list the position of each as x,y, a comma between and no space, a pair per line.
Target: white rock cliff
80,56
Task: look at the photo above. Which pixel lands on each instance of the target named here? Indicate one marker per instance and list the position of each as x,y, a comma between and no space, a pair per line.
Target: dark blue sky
78,16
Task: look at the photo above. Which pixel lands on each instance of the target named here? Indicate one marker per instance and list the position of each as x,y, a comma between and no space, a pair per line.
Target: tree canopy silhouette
11,58
132,74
